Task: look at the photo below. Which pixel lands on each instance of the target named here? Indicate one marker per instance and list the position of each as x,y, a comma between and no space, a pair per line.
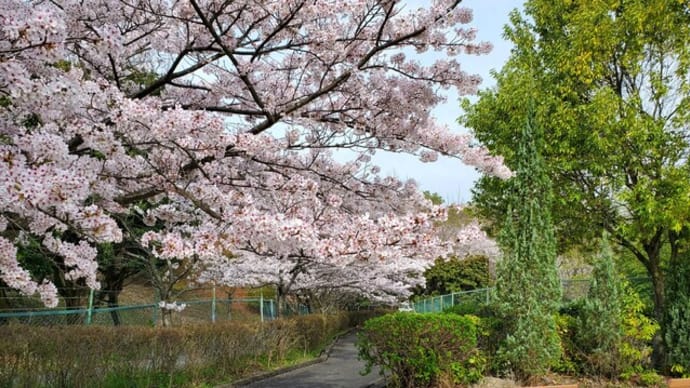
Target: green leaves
420,350
455,275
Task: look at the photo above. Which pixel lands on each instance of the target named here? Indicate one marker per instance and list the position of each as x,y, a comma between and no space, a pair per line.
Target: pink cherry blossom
214,122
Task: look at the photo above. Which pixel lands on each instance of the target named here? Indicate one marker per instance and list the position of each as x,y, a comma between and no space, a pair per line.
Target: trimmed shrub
491,329
423,350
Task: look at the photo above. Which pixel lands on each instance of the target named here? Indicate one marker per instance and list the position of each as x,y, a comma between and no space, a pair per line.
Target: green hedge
423,350
193,355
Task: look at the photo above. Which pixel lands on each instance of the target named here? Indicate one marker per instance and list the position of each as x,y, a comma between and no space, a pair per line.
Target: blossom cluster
172,306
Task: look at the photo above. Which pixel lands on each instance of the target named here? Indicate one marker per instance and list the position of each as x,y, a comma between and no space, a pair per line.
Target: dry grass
88,356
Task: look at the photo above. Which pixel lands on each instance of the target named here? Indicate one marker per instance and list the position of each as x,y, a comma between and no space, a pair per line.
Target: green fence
442,302
572,289
85,309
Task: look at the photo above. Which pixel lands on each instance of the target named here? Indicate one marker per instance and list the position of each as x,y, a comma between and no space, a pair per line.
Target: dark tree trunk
280,302
113,296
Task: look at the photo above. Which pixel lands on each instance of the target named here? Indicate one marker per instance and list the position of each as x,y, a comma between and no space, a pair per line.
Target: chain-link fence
442,302
83,306
573,289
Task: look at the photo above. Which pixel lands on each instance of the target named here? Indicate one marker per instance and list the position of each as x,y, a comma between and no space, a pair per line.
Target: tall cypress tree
528,287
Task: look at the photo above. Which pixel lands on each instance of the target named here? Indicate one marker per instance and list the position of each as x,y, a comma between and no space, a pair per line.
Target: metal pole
89,312
213,304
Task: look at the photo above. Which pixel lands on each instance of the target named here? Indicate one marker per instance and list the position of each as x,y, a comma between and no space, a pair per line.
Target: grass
141,356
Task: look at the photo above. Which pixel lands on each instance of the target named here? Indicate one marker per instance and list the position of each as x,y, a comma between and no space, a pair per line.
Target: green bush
600,319
490,329
638,331
423,350
629,357
677,317
89,356
465,308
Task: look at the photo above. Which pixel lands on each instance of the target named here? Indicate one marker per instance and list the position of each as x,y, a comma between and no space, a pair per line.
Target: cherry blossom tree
201,114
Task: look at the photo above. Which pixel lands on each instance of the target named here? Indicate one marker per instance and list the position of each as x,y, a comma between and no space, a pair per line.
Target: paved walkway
340,370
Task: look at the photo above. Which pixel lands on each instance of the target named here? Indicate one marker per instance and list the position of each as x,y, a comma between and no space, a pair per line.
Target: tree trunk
166,317
113,296
280,303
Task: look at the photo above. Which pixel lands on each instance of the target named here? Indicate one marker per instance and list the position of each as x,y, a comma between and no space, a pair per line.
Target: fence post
213,304
271,309
261,305
156,301
452,299
89,312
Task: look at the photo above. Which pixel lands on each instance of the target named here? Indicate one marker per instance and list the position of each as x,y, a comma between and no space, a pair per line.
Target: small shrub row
423,350
87,356
586,349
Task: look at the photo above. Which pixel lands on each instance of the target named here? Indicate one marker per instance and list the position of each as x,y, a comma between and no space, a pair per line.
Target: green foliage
5,102
470,307
568,362
591,348
142,78
527,287
677,319
638,331
454,275
423,350
600,319
435,198
491,329
32,256
63,65
612,79
32,121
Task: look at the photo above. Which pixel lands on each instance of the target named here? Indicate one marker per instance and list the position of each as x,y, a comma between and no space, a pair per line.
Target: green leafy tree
612,79
456,274
527,285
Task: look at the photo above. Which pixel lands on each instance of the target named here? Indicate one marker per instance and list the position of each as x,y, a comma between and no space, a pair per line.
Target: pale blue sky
448,177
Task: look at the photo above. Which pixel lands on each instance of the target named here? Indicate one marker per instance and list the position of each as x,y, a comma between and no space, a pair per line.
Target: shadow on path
341,369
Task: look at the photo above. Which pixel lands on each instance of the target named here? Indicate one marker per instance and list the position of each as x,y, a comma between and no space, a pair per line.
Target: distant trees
456,274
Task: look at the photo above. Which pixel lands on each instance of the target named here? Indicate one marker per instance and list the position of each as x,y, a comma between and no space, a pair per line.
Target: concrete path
340,370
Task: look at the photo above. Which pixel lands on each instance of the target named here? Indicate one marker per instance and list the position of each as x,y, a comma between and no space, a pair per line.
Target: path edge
323,356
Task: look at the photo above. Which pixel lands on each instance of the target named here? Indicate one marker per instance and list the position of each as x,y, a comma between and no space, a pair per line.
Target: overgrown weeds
194,355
